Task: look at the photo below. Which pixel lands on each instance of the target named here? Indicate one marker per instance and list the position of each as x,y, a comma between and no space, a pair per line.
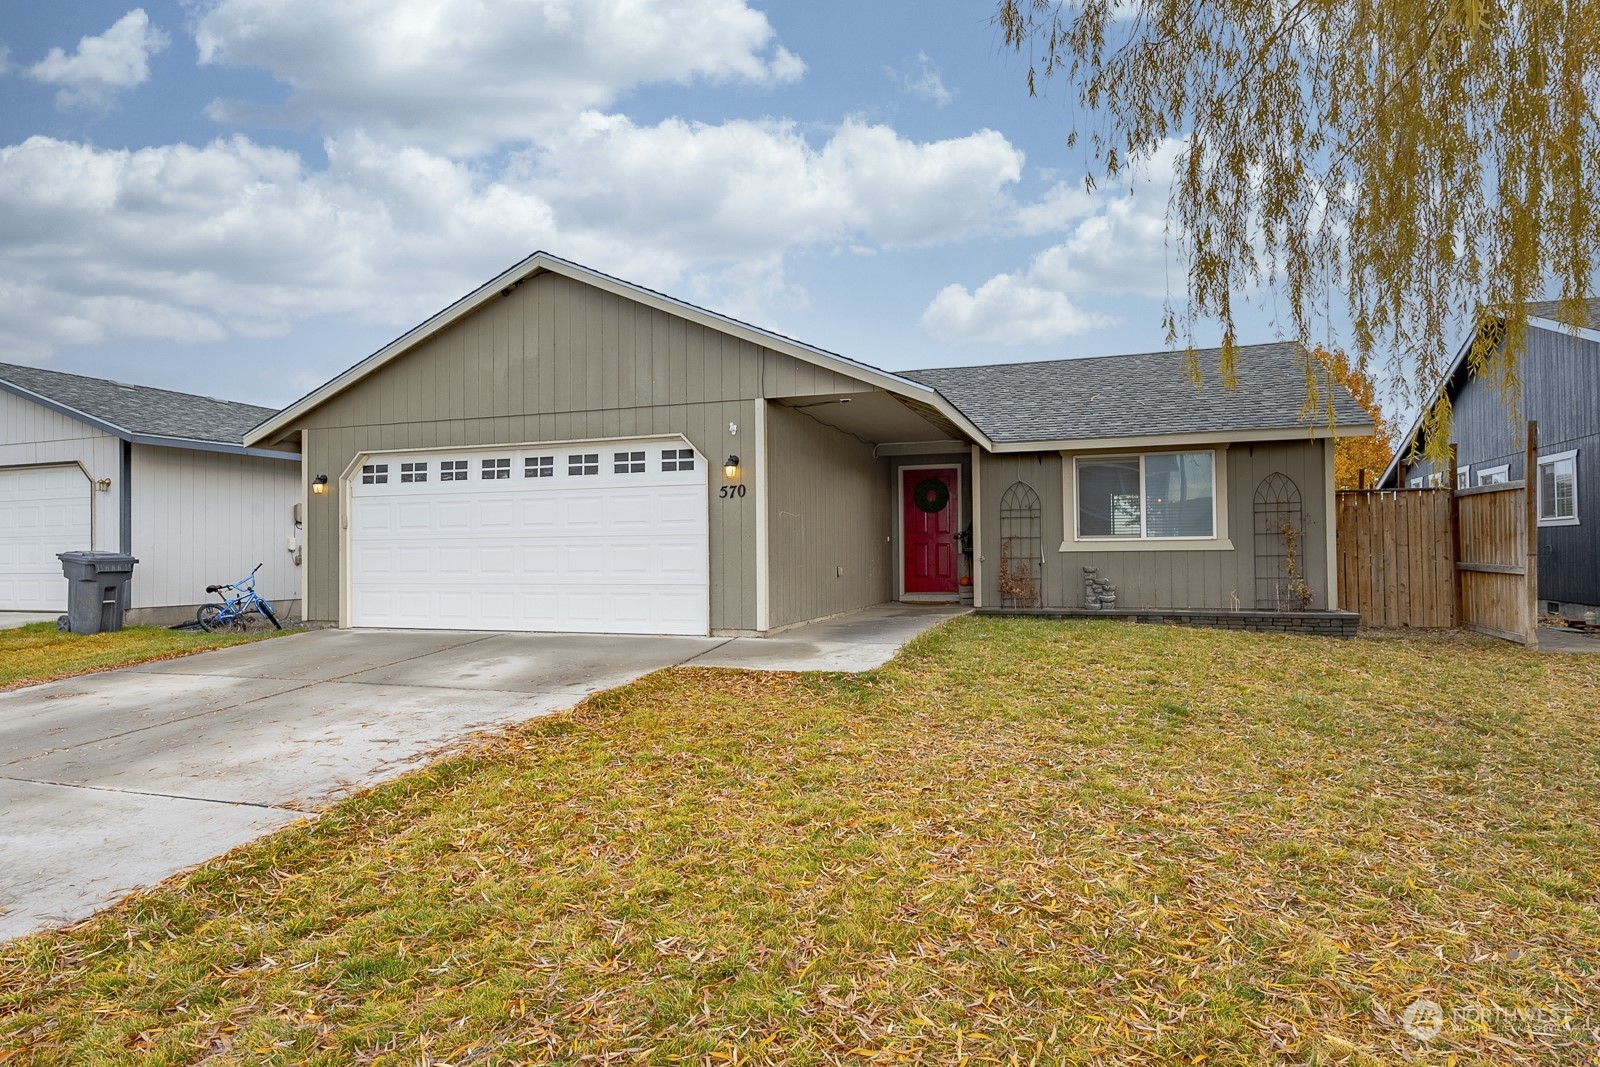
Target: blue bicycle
241,607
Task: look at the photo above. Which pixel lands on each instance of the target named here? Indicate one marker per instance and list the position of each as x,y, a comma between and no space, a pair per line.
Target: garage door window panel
583,464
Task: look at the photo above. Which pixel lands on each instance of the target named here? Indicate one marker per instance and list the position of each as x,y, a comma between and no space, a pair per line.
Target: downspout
977,527
125,501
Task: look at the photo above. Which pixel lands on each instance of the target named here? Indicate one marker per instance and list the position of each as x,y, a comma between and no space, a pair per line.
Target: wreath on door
931,495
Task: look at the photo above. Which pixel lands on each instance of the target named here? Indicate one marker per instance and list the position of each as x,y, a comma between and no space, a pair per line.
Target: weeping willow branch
1420,161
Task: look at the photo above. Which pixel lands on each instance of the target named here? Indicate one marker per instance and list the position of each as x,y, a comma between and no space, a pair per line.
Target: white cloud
1115,243
102,66
233,238
1007,309
467,75
926,82
746,188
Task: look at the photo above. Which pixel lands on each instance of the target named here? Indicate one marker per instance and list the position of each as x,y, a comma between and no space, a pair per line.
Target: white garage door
606,537
43,510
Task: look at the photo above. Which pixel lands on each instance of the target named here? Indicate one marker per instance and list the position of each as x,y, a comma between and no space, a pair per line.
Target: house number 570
731,491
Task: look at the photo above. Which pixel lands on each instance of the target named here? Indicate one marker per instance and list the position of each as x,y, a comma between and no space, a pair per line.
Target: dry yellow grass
38,653
1020,842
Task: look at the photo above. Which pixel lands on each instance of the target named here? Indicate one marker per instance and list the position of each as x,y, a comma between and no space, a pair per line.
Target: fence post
1457,610
1530,490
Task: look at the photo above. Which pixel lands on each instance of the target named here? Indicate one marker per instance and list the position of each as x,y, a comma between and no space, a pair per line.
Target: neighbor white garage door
43,510
604,537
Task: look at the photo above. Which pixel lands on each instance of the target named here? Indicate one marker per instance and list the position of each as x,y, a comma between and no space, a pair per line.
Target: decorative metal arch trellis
1278,522
1021,547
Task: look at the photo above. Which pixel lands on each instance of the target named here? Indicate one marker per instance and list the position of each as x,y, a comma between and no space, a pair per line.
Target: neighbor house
1560,390
87,463
561,450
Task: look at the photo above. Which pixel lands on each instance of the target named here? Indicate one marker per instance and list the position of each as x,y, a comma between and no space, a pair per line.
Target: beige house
564,451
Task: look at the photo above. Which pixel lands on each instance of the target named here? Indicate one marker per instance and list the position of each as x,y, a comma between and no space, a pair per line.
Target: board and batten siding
1560,391
829,533
32,435
558,360
1163,578
207,517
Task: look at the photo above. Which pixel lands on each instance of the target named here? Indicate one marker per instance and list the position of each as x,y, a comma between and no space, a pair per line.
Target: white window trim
1503,472
1463,476
1414,482
1556,457
1220,542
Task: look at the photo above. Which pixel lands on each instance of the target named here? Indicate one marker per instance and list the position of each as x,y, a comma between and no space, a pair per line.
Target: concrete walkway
1563,639
118,780
10,620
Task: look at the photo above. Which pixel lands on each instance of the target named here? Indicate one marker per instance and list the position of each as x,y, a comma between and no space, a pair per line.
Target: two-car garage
587,537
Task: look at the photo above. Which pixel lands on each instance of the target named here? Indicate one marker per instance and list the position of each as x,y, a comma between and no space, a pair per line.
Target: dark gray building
1560,375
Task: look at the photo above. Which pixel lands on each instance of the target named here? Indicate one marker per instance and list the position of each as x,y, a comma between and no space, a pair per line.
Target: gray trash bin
97,589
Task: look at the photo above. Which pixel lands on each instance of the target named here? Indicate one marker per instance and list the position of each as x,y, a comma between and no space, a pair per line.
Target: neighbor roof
139,413
1542,315
1550,311
1145,395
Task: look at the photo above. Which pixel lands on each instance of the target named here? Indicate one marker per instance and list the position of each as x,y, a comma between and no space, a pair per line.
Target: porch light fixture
731,467
319,484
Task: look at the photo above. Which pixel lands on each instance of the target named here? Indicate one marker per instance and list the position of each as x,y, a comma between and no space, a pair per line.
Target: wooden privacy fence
1396,557
1497,574
1444,557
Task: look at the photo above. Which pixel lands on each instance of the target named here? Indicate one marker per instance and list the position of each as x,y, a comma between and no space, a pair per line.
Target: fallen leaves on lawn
1021,842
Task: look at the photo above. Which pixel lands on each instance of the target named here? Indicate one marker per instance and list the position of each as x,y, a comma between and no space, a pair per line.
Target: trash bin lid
101,561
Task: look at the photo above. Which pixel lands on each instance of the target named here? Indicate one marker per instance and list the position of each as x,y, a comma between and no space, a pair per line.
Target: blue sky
243,197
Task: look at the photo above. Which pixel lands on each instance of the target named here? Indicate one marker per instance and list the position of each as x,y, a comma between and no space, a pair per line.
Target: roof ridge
1091,359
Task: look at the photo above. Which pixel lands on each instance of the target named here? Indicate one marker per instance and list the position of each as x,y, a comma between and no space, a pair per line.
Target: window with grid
1558,490
453,470
539,467
1147,497
374,474
413,472
583,463
496,469
677,459
627,463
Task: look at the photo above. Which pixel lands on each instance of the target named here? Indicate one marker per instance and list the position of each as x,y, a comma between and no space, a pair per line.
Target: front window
1558,490
1159,496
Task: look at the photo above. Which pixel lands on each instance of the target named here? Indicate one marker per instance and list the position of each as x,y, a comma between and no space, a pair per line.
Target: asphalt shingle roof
1137,395
140,409
1551,309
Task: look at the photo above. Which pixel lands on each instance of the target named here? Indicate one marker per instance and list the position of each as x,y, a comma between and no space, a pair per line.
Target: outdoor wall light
731,467
319,484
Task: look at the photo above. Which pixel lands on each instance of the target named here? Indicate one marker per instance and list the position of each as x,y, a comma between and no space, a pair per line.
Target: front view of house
564,451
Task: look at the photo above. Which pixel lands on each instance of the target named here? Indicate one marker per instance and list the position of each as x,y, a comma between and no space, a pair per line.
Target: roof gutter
1209,437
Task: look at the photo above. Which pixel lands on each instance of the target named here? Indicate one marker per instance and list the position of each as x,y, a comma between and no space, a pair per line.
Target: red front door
929,501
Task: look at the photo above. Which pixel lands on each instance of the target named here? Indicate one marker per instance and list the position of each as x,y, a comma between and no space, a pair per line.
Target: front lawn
38,653
1022,841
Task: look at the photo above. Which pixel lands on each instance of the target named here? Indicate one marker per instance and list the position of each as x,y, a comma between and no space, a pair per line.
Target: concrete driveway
118,780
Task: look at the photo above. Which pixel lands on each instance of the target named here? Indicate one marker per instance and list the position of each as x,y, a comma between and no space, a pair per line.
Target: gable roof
1116,398
139,413
543,262
1541,316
